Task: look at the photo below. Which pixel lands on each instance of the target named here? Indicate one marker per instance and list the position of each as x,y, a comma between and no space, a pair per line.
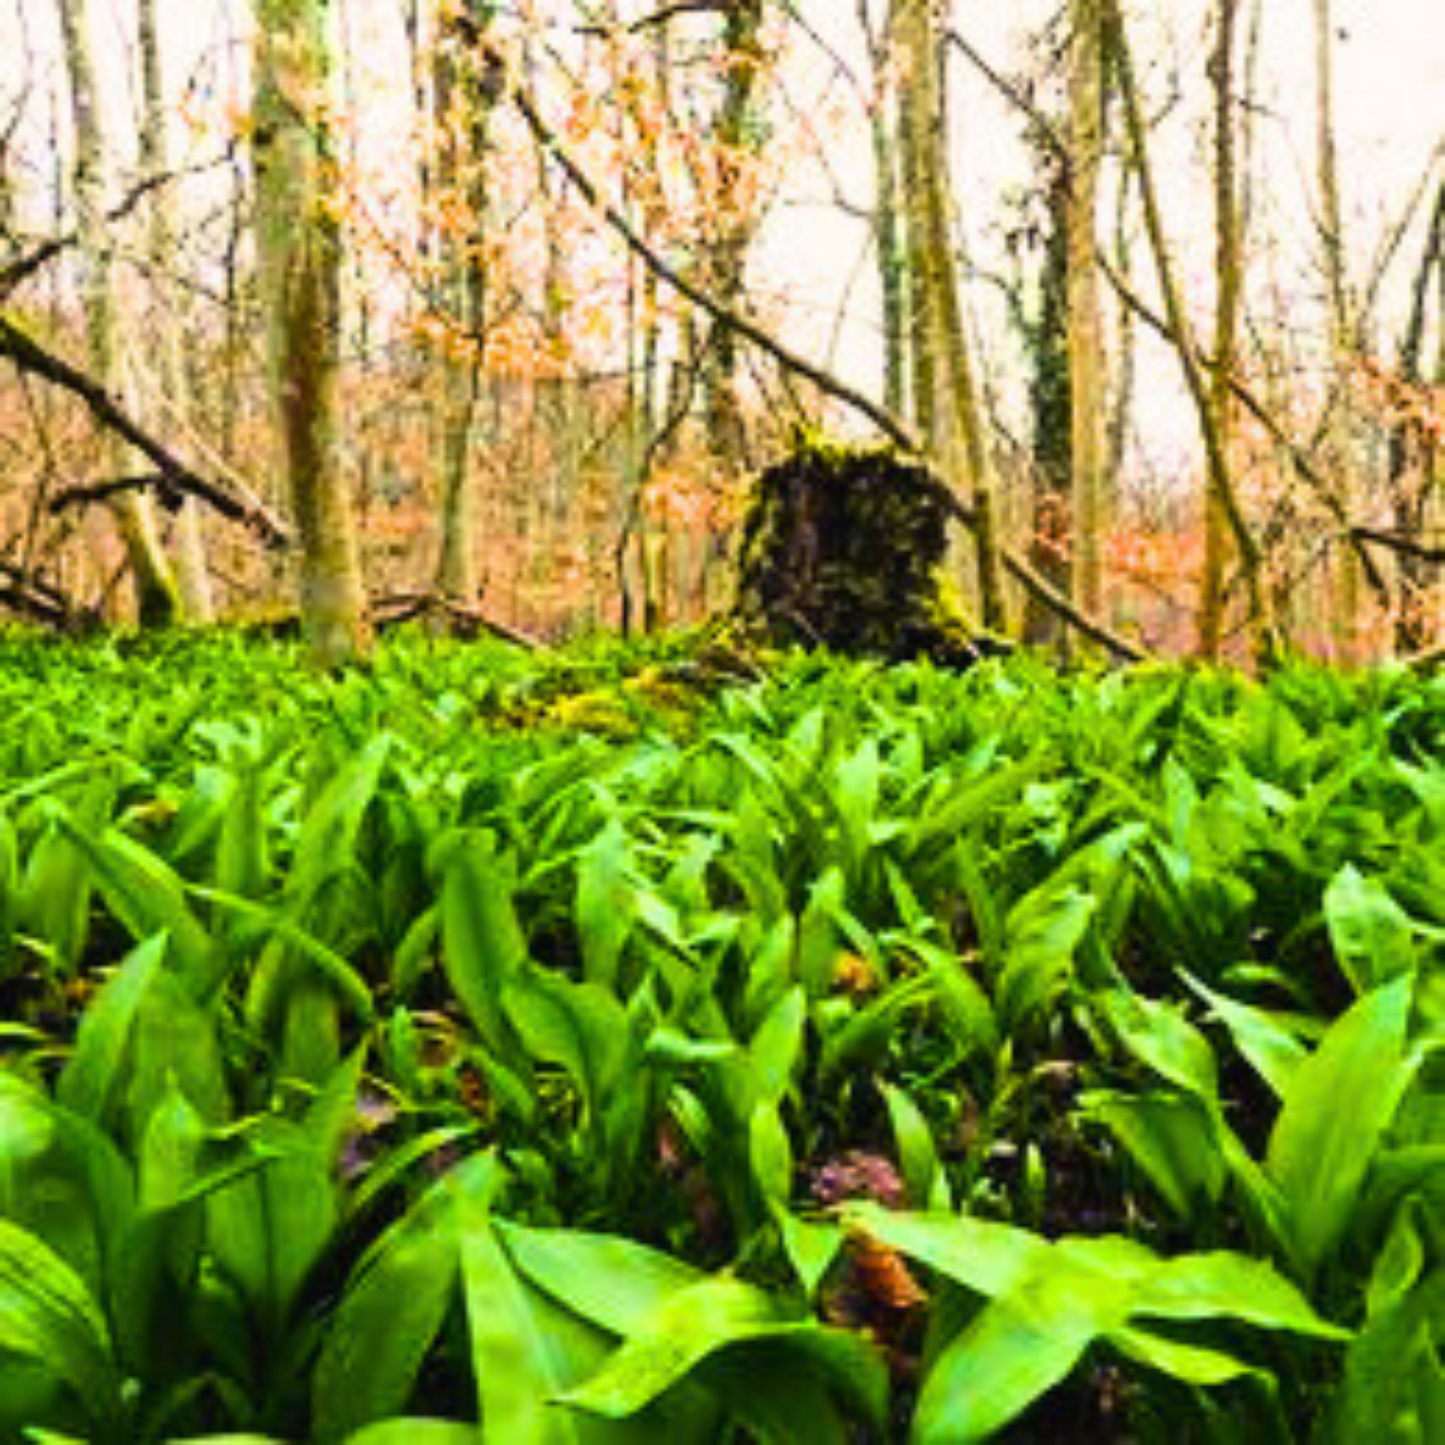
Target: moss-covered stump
843,547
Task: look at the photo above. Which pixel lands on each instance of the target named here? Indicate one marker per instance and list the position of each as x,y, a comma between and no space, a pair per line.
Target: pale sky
1390,115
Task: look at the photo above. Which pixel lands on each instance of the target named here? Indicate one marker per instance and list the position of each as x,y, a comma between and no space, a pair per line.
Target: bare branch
231,503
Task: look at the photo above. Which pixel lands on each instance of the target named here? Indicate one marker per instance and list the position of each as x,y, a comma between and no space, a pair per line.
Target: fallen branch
234,505
33,597
888,422
402,607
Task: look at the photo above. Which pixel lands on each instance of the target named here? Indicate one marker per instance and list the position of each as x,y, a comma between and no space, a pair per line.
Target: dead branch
1397,542
32,596
465,621
231,503
167,493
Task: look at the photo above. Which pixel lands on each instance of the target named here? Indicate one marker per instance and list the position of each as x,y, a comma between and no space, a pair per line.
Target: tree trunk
1348,598
157,601
945,391
1228,280
457,172
192,576
737,134
1086,347
299,252
1260,620
887,231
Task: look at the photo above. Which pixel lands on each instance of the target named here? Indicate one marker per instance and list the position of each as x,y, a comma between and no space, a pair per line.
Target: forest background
493,309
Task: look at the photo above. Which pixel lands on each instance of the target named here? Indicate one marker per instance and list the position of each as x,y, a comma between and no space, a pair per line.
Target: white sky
1390,115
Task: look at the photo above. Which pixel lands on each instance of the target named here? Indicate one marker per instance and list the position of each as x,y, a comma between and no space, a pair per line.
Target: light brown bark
299,251
157,601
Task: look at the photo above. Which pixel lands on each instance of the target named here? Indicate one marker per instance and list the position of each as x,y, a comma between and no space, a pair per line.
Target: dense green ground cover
607,1054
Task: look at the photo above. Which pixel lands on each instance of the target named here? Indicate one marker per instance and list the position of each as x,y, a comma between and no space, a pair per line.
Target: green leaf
1158,1035
147,897
1042,932
91,1080
606,905
1371,933
1224,1285
413,1430
610,1281
704,1319
1172,1138
47,1315
1272,1051
483,946
389,1316
1339,1103
1019,1347
776,1047
1193,1364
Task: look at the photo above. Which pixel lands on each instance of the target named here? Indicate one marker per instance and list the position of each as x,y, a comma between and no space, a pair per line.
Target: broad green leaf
1371,933
1194,1364
1042,932
775,1048
986,1257
146,895
1272,1051
483,946
1339,1103
1018,1348
610,1281
581,1026
924,1180
413,1430
527,1349
772,1155
1223,1285
605,907
90,1082
1171,1138
47,1315
390,1314
1158,1035
704,1319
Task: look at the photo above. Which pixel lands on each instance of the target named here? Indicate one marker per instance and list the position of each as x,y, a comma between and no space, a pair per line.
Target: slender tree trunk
192,576
157,601
458,170
1086,346
1411,449
738,134
1228,280
1261,622
1348,599
887,230
945,390
299,252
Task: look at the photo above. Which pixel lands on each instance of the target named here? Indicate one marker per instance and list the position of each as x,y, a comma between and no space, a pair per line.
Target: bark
945,390
457,170
887,228
1347,606
737,136
1410,448
1228,280
192,577
299,253
157,600
1086,346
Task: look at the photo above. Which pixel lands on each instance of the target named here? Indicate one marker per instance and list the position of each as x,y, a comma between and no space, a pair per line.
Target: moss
844,547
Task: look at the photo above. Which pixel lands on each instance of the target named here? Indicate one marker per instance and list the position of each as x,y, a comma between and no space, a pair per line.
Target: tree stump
843,547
